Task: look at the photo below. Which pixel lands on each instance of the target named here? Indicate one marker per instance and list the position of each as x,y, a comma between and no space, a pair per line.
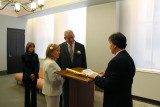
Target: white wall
125,20
50,29
40,30
101,23
7,22
146,85
73,19
60,26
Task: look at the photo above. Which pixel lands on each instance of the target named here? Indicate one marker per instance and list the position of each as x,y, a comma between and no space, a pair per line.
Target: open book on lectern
88,72
85,72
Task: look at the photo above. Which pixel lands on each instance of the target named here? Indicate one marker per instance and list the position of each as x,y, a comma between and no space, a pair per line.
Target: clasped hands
32,76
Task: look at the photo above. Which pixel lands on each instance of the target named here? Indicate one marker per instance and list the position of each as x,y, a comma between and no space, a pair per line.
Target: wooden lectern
80,89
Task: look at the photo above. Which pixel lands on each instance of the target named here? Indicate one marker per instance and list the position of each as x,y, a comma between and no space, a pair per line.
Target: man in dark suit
72,54
118,77
78,57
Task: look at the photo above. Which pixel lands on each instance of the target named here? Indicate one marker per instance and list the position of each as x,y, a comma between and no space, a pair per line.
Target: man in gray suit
72,54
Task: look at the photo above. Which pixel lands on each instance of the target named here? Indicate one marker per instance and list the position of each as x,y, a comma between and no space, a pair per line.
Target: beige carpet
12,94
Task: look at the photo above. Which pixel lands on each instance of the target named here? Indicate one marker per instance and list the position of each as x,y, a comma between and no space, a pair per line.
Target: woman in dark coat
30,63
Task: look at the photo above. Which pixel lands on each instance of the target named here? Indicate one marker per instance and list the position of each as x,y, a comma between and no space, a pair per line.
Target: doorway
15,48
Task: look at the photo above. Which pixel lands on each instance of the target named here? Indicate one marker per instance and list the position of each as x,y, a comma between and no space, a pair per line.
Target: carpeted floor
12,94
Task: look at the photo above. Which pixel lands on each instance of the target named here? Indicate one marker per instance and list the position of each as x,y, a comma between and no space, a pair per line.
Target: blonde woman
52,87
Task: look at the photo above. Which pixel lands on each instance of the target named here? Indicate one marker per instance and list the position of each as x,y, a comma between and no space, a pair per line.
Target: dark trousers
30,86
64,97
61,101
66,93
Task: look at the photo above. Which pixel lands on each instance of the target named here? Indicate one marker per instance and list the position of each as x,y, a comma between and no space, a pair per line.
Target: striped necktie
71,53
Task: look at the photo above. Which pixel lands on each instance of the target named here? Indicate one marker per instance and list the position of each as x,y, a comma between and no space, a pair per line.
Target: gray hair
68,31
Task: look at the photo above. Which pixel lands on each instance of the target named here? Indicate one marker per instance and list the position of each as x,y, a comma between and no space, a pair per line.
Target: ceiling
54,5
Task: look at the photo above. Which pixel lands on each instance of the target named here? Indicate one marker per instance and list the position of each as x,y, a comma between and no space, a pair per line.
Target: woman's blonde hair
29,44
50,49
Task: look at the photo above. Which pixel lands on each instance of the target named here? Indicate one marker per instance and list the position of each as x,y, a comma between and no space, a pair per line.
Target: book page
89,72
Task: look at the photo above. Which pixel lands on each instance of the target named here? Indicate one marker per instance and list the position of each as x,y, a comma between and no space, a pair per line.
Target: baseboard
149,101
3,72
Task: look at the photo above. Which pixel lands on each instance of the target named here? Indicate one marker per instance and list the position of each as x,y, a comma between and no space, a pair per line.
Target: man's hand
92,75
101,73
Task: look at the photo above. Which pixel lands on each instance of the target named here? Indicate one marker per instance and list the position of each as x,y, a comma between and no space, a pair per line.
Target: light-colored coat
53,83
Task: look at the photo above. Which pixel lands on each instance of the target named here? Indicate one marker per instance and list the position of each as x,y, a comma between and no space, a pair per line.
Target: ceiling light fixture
29,6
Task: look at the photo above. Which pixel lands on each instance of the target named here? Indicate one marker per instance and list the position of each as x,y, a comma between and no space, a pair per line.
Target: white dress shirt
119,51
73,47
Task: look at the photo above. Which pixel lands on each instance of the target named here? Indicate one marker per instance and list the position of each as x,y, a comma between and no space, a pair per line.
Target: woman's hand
32,76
